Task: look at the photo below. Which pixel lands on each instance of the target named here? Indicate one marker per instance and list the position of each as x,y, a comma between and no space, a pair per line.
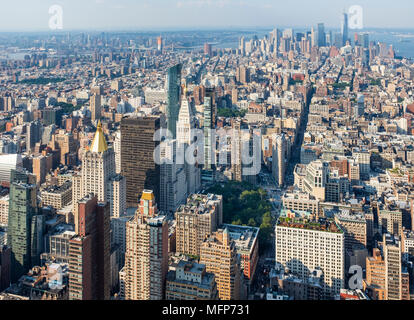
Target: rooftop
324,225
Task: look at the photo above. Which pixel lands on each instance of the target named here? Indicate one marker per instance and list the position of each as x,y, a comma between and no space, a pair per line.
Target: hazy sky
25,15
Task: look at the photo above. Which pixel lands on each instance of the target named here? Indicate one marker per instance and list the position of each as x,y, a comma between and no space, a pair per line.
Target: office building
218,253
89,252
146,258
304,245
9,162
137,157
279,159
344,29
95,107
22,219
190,281
197,219
173,179
247,247
5,267
185,138
174,94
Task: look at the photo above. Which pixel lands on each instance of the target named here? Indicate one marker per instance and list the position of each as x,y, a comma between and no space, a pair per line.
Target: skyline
128,15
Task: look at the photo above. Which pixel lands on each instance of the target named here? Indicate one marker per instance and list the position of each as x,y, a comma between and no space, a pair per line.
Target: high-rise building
118,235
174,95
66,144
236,154
22,219
218,253
137,157
95,107
317,174
5,266
9,162
393,267
344,28
116,195
321,35
146,258
303,246
197,219
99,174
209,139
34,134
208,50
247,247
355,229
173,179
159,44
190,281
89,252
374,283
185,139
243,75
117,150
279,159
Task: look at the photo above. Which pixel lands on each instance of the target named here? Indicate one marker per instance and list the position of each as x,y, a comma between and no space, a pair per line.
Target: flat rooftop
244,237
302,223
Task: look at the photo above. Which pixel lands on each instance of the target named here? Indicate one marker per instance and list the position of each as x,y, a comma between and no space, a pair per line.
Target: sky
33,15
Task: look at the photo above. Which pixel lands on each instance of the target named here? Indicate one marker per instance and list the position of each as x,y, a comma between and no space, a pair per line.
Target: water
401,40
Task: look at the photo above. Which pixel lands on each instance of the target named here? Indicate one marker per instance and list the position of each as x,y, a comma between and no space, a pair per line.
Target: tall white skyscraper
185,138
99,175
279,158
173,184
98,166
117,149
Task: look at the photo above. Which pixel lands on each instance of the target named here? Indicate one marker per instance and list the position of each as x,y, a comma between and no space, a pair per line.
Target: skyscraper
208,49
5,267
185,138
174,94
236,149
344,28
146,258
137,157
173,179
89,252
22,211
279,159
99,175
98,166
197,219
393,268
95,107
218,254
321,35
159,44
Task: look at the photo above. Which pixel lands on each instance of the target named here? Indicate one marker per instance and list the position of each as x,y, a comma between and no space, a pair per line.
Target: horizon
25,16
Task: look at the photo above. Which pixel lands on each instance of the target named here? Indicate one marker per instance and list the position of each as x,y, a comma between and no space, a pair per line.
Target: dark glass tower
137,157
209,124
23,224
344,28
174,94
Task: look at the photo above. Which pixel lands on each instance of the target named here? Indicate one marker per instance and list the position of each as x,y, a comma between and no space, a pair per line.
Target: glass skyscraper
174,95
23,223
344,28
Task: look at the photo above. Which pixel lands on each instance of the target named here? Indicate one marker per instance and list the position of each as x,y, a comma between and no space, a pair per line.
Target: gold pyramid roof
99,142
